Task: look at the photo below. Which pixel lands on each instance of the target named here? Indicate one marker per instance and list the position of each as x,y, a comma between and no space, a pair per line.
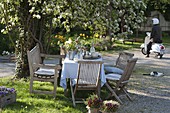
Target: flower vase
71,55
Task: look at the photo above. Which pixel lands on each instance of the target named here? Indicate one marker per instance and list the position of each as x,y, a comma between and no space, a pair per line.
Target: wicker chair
88,78
42,72
121,62
121,81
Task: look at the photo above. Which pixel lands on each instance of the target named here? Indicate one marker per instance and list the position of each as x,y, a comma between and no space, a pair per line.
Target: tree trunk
22,70
24,41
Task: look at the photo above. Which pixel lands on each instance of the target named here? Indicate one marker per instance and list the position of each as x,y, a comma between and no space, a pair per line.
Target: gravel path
149,94
7,69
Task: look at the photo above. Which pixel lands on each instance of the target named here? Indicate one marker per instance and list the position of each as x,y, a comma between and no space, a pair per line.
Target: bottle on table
92,49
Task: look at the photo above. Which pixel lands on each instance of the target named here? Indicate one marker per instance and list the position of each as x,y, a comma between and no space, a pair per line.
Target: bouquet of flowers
110,106
6,91
70,45
93,101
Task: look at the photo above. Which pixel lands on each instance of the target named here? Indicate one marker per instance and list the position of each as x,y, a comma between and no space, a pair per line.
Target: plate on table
91,57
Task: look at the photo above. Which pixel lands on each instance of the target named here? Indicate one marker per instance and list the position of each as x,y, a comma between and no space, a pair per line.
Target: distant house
147,26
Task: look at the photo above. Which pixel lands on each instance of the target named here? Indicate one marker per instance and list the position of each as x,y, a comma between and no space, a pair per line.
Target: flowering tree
130,15
116,18
33,21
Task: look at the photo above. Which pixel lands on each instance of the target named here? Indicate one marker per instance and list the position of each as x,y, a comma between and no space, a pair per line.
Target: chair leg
99,88
31,85
72,94
55,85
113,93
128,96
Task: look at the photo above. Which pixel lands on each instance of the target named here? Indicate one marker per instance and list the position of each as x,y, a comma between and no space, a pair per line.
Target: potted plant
109,106
93,103
7,96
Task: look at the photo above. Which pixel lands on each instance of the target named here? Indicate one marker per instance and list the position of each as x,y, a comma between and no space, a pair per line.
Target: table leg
66,93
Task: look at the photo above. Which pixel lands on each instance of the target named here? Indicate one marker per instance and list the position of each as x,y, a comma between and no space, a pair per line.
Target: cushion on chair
74,81
109,69
113,76
43,71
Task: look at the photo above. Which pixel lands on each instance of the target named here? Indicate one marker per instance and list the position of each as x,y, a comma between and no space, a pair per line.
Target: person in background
156,35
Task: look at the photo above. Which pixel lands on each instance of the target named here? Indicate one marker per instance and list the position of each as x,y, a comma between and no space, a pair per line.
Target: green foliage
33,21
98,17
77,40
5,44
162,6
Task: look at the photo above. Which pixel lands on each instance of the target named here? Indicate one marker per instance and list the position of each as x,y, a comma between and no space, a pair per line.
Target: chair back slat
34,58
89,72
128,71
122,59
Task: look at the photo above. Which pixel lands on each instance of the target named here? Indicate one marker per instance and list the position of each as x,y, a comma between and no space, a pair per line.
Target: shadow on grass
19,106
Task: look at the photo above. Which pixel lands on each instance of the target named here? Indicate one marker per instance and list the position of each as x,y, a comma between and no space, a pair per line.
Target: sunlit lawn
36,103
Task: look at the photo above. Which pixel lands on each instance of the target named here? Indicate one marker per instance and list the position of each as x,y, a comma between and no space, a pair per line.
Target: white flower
36,16
5,53
69,41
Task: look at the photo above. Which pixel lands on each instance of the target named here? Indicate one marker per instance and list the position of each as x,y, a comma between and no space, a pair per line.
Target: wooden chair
42,72
121,80
121,62
88,78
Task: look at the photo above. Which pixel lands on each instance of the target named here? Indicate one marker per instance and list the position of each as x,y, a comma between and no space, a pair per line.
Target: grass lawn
37,103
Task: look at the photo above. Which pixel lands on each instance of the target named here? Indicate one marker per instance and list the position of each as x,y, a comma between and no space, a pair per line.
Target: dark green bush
5,43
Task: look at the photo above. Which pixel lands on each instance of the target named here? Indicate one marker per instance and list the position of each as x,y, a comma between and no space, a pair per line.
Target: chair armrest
52,56
48,66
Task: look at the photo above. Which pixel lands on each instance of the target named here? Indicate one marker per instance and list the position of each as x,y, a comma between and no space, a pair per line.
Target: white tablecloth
70,68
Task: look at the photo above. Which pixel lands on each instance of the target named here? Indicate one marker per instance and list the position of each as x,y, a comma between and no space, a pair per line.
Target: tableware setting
94,55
